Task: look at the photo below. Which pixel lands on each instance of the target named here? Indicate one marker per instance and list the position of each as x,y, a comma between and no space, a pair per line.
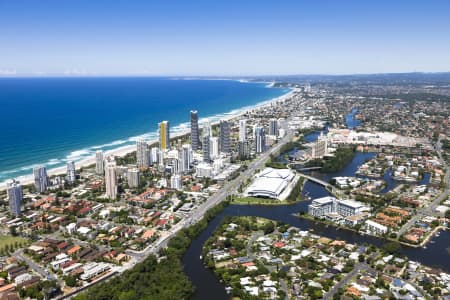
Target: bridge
316,180
308,169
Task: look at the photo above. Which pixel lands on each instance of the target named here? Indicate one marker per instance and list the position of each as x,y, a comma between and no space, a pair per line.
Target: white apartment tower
14,191
111,179
99,164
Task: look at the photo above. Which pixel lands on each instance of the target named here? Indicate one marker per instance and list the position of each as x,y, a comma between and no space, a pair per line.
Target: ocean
49,121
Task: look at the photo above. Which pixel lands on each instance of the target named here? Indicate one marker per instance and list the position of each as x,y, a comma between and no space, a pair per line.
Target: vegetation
9,243
163,280
296,191
342,157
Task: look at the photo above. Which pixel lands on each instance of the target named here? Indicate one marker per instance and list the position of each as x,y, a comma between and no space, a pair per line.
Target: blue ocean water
49,121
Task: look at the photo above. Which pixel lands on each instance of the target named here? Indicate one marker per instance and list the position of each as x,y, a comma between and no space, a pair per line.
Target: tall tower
260,139
111,179
71,175
206,134
164,136
142,154
242,130
40,179
224,136
185,156
195,138
14,191
273,127
214,147
99,165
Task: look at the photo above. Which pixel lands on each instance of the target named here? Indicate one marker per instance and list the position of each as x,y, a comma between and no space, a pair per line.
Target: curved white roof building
270,183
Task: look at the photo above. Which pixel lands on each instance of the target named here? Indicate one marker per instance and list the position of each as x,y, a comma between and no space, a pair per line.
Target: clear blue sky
124,37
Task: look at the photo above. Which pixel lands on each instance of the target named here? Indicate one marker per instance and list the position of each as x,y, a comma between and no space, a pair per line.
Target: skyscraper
206,134
224,136
71,175
185,155
260,139
14,191
214,147
164,136
243,150
242,130
142,154
195,138
99,167
133,177
273,127
175,182
40,179
111,179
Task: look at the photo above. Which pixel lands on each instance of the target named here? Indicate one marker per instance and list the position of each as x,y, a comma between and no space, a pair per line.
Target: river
208,286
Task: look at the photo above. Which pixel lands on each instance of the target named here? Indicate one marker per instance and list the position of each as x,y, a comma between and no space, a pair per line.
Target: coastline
124,150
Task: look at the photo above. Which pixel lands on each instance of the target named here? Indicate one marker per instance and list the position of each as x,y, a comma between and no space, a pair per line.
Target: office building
164,136
133,177
99,163
242,130
71,175
14,191
185,155
330,205
40,179
224,136
111,179
195,137
142,154
260,139
273,127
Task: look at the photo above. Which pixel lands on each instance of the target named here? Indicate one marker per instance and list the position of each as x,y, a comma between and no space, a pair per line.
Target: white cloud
8,72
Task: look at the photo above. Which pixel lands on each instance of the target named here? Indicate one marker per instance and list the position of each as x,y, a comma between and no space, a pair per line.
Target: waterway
208,286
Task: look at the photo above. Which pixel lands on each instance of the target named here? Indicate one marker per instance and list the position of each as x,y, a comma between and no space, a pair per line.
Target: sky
204,38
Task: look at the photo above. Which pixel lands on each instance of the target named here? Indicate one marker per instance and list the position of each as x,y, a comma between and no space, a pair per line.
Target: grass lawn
259,201
10,240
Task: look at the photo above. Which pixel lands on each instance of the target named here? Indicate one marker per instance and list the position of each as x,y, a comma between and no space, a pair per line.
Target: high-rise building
224,136
206,135
142,154
260,139
111,179
175,182
164,136
133,177
14,191
244,150
99,164
154,155
40,179
185,155
214,147
242,130
195,137
273,127
71,175
177,167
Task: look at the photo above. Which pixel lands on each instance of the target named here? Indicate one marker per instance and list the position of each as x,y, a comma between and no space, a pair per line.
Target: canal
208,286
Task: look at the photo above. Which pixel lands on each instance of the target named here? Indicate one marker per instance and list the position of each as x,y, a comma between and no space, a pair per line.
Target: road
34,266
359,267
228,189
429,210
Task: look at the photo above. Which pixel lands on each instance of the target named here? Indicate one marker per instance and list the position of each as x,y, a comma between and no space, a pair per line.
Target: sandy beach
124,150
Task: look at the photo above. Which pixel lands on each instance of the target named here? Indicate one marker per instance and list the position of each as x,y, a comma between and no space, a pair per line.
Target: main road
228,189
429,210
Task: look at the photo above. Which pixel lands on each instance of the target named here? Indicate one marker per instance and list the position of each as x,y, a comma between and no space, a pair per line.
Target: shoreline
127,149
